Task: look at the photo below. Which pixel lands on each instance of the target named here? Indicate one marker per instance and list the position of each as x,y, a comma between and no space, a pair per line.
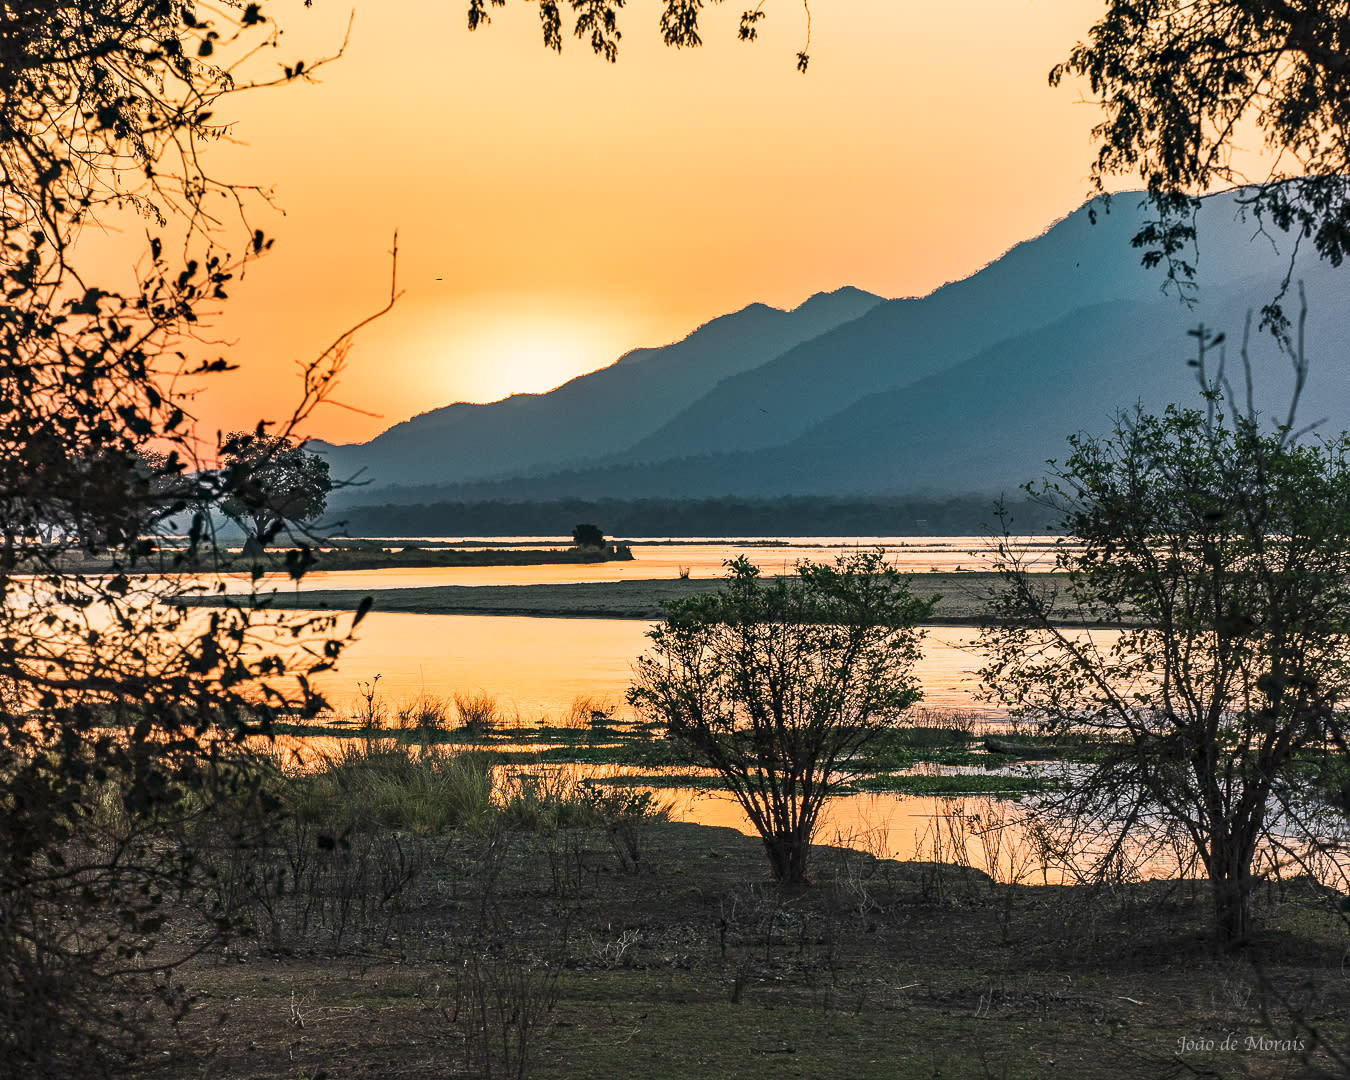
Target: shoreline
366,557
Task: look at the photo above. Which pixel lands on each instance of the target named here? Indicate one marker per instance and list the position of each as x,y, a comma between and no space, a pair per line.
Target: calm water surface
653,559
536,667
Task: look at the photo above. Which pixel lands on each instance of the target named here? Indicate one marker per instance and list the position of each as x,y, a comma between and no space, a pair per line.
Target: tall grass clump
426,717
595,715
394,786
551,800
426,790
478,713
587,710
547,800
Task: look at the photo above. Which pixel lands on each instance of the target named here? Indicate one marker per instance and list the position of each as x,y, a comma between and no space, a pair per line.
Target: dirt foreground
552,957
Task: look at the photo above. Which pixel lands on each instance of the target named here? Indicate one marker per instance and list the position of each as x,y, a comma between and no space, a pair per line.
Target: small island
367,556
588,545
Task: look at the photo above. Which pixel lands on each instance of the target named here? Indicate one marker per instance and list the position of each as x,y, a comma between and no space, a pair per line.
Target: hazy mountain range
968,389
601,413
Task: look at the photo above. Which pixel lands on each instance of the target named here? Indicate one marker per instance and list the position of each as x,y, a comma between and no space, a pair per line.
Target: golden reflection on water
912,555
983,833
887,826
536,667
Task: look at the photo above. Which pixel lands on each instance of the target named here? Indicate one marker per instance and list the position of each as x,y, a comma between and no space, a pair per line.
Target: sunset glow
509,355
556,211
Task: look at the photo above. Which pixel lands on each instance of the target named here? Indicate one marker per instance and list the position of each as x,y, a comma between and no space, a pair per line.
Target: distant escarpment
968,390
593,415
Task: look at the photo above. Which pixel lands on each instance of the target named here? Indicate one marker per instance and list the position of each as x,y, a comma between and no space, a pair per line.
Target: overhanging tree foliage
597,23
1221,544
777,685
1180,81
116,707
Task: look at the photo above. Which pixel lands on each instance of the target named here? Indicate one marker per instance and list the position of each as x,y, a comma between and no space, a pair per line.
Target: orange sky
554,211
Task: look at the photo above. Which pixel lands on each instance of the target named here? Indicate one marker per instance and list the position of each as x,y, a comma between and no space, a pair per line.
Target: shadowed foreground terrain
512,953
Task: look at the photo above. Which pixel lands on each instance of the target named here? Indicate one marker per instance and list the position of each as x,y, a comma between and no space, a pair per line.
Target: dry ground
695,966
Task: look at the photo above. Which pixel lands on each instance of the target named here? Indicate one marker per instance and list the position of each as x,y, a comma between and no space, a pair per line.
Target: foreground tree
1179,80
118,707
1221,544
777,685
271,483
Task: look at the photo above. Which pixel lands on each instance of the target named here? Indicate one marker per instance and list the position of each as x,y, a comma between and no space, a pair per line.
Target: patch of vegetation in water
893,759
702,781
311,730
638,745
642,754
999,784
945,784
1042,747
928,737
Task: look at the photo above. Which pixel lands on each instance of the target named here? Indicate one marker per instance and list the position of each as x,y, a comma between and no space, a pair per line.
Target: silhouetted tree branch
1178,79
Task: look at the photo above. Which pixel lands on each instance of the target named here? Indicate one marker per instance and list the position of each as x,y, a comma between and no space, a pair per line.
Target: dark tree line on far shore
969,515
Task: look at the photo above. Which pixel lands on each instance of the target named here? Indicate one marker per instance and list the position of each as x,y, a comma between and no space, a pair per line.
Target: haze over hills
1072,265
969,389
596,414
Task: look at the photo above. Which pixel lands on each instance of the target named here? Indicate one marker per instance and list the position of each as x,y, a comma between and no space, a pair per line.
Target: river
536,667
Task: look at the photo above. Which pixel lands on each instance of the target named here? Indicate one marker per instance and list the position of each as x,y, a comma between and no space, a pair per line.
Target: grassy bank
367,557
363,555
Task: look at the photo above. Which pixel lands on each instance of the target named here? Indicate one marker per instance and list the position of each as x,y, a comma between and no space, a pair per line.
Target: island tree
777,684
588,536
271,483
1219,543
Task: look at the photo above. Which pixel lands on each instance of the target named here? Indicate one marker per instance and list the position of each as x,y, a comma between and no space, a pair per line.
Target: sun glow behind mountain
493,354
626,203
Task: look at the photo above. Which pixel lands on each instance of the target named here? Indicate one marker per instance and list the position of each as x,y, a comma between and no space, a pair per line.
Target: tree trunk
1230,876
787,856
